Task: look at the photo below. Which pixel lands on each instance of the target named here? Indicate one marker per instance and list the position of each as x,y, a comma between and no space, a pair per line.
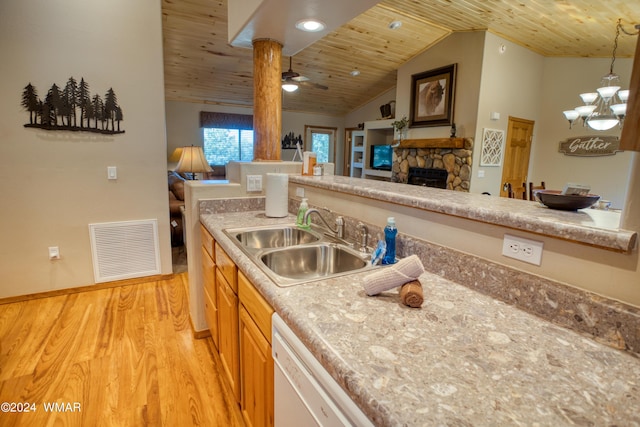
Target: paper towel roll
277,195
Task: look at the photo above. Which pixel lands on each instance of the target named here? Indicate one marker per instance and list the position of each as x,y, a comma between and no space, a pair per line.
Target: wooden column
631,212
267,99
630,138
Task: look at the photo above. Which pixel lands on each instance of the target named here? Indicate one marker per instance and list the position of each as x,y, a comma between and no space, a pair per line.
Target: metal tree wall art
290,140
73,108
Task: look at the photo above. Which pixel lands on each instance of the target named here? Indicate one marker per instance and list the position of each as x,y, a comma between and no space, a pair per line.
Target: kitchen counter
593,227
462,359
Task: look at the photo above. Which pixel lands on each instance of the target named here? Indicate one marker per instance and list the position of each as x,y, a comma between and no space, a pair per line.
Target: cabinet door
228,333
256,365
209,294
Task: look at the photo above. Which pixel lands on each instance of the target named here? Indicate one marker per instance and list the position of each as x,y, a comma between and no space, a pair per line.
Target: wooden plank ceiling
200,65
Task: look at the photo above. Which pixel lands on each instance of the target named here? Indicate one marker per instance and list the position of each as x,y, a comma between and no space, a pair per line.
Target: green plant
399,125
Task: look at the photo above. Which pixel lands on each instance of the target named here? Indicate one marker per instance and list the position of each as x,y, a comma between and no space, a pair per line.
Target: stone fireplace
456,161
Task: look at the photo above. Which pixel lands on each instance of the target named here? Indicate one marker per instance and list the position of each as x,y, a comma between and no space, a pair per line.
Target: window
321,141
222,145
226,137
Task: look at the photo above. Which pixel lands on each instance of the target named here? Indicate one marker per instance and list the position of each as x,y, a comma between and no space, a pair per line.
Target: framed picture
432,96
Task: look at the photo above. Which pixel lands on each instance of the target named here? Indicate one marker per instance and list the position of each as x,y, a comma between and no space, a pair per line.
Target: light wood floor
126,355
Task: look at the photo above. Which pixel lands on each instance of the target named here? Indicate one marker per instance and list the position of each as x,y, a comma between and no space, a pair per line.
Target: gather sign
590,146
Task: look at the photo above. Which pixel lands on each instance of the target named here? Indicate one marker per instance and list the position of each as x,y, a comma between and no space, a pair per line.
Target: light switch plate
54,252
112,172
254,182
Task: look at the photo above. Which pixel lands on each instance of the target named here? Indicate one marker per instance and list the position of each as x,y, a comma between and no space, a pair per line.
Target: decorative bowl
567,202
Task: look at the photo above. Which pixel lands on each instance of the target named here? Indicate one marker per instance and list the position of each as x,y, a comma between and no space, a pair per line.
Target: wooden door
516,155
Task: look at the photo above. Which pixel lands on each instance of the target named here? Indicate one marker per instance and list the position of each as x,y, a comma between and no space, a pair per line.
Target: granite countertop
590,226
462,359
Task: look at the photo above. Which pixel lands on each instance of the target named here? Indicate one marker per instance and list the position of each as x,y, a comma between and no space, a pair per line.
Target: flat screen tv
381,157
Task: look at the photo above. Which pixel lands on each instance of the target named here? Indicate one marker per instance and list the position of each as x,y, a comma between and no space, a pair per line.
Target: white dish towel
404,271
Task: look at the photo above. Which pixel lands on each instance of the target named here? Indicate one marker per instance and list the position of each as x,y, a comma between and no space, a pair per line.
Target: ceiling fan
291,80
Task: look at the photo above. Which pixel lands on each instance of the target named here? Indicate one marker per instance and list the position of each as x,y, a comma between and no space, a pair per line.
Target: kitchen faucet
364,236
339,231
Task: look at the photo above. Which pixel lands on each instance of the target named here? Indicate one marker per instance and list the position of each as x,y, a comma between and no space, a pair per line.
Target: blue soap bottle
390,233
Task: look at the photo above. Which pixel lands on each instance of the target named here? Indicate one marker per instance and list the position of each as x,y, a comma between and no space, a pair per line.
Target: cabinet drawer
227,267
211,313
207,241
255,304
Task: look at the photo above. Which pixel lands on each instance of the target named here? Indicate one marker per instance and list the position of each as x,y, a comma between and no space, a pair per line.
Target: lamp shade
619,109
175,156
623,95
193,161
604,122
585,110
571,115
588,98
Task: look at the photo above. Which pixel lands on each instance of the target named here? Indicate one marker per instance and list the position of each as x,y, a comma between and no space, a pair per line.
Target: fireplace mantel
432,143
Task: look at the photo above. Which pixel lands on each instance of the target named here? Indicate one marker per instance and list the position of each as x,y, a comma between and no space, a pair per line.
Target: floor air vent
124,250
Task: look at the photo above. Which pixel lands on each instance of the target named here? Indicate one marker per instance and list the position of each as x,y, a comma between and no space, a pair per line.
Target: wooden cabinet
228,331
209,284
207,241
257,374
239,319
256,361
227,267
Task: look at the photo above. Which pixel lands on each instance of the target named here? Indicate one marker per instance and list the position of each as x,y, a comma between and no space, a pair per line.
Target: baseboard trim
96,287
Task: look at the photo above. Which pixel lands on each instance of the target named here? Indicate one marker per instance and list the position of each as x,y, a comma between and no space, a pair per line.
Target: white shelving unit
377,132
357,153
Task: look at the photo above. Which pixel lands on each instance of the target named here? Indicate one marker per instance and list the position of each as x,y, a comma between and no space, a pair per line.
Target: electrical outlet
522,249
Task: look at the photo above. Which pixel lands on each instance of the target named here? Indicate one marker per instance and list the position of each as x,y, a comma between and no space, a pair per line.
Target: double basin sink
290,255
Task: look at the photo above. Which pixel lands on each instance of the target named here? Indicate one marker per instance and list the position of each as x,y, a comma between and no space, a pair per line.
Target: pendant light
605,108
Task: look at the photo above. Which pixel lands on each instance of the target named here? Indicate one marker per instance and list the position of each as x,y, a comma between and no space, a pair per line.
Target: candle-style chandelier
606,107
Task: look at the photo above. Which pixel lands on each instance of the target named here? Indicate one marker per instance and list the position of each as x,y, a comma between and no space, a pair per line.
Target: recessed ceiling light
355,73
310,25
395,25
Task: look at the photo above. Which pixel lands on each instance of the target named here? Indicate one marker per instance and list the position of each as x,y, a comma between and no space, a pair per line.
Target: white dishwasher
305,393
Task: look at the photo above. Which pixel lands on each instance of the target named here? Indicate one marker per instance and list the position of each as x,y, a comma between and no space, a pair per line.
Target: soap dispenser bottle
304,206
390,233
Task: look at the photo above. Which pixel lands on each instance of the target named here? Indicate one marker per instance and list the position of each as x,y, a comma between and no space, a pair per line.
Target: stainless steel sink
291,256
311,262
274,236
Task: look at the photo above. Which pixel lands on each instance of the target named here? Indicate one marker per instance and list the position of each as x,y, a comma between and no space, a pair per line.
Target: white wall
371,110
511,86
183,122
518,83
564,79
183,125
54,183
295,122
465,49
